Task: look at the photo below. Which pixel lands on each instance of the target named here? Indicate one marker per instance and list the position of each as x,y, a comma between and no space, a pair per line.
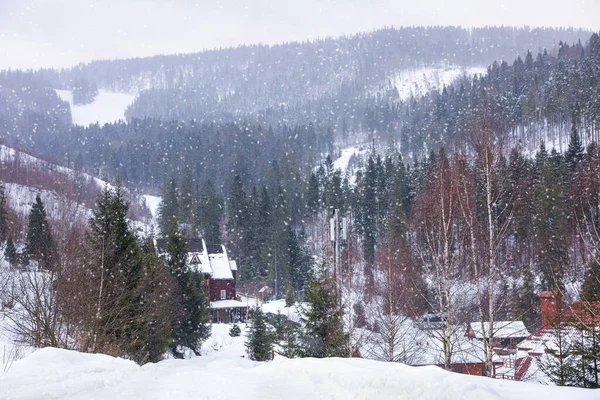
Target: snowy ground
224,372
106,108
418,82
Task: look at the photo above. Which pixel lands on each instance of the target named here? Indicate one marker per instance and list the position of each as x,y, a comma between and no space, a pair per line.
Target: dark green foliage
114,255
324,334
591,284
11,252
40,244
156,306
211,213
574,154
168,210
290,297
190,321
550,219
235,330
259,345
312,195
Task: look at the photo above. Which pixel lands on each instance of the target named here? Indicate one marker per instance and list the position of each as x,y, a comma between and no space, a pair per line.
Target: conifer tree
574,154
191,320
323,319
211,211
40,244
259,345
168,210
115,264
11,252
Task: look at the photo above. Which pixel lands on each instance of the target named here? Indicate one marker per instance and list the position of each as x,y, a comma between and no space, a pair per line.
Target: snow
420,81
20,198
224,372
342,162
219,263
152,202
106,108
293,313
502,329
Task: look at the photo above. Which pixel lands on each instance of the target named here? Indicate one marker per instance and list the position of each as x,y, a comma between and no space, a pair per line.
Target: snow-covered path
224,373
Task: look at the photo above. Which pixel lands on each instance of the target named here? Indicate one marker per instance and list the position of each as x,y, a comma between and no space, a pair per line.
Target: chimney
551,306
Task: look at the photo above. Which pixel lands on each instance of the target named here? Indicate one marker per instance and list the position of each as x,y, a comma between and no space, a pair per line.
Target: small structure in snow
220,275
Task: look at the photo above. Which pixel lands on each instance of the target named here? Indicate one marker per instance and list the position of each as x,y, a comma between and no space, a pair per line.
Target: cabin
220,278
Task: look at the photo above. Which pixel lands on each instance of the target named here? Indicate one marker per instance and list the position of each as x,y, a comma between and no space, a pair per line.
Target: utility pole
338,233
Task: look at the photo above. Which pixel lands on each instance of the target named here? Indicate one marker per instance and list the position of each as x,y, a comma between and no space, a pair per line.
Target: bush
235,330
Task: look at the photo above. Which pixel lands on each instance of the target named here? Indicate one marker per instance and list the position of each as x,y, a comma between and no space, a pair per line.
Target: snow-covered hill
66,193
106,108
225,373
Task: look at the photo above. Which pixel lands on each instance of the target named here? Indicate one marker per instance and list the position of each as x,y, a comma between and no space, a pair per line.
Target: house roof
502,329
211,260
220,304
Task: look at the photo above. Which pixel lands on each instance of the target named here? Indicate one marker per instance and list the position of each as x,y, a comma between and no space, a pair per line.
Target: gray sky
36,33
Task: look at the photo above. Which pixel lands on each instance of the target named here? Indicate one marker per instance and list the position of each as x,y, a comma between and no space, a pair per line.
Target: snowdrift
52,373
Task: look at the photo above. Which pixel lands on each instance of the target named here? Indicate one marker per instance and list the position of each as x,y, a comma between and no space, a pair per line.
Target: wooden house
220,278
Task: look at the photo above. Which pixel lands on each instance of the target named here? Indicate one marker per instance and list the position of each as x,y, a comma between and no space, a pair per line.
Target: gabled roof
211,260
502,329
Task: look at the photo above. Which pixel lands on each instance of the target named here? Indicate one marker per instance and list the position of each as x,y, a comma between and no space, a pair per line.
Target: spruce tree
11,252
259,345
191,320
168,210
114,259
574,154
211,213
40,244
323,319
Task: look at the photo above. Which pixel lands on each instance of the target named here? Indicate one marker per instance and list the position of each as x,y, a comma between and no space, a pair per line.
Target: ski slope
223,372
107,107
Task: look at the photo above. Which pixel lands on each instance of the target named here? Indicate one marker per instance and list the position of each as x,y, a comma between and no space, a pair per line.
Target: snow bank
106,108
53,373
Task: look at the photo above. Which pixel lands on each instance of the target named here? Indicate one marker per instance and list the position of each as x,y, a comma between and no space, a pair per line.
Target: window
223,294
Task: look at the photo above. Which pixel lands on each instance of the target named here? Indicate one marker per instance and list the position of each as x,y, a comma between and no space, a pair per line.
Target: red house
220,274
544,341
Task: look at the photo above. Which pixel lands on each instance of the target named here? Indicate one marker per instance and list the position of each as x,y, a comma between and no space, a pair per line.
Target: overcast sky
36,33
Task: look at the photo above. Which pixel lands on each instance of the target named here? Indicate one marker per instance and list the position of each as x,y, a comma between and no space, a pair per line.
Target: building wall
216,285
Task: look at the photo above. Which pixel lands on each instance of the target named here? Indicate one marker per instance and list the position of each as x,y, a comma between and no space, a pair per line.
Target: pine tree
115,263
168,210
312,195
11,252
191,320
574,154
40,244
259,345
156,307
591,284
211,211
323,319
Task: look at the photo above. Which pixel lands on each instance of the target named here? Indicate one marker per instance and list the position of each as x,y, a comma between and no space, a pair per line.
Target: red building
220,275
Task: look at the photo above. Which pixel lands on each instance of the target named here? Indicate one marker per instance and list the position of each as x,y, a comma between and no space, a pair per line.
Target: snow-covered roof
502,329
214,262
221,269
227,304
